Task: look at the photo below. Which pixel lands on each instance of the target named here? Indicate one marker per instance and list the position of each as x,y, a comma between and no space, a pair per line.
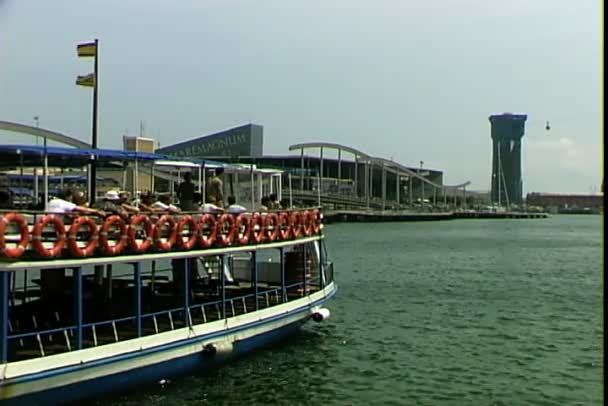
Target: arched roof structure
390,166
42,133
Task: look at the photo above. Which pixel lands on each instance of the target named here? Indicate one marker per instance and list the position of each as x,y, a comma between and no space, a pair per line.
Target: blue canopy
32,155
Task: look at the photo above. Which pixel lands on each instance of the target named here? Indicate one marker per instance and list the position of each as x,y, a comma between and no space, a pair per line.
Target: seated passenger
62,204
146,200
234,208
273,202
111,204
164,204
210,208
123,201
265,203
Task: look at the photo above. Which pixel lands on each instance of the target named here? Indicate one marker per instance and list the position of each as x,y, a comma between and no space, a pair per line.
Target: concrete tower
507,131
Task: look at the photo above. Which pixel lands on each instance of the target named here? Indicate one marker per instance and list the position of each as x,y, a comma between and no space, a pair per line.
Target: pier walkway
361,216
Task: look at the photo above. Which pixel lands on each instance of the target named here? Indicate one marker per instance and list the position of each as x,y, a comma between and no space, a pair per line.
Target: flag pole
93,172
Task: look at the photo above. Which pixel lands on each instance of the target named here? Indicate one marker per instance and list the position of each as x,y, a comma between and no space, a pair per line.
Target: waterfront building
506,131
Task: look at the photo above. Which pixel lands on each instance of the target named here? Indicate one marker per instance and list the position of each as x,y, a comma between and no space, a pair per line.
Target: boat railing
43,342
52,236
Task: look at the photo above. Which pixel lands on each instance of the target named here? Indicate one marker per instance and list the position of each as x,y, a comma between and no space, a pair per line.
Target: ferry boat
92,306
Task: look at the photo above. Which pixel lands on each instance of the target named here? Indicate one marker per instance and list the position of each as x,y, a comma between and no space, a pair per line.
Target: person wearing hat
111,204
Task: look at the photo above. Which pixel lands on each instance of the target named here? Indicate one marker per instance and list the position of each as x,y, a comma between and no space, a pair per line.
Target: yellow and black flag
87,49
86,80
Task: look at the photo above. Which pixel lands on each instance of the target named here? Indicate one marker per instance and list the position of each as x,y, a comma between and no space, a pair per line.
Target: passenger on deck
185,193
274,202
210,208
123,199
6,202
265,203
234,208
80,199
111,204
164,204
62,204
146,201
215,189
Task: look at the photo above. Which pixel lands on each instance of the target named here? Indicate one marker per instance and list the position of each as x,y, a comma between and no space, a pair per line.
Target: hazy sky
408,80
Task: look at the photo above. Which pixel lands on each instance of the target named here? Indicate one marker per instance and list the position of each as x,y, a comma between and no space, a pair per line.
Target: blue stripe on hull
147,375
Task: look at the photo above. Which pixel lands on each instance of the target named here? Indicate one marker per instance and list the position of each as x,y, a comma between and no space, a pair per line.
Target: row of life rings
140,235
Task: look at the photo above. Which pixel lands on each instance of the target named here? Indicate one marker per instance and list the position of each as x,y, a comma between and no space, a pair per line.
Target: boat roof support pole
302,169
252,190
200,177
36,194
152,180
4,284
260,186
204,192
290,192
279,179
45,174
136,181
20,170
124,176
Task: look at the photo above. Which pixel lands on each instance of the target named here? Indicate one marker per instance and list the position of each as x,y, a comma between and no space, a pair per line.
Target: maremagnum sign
246,141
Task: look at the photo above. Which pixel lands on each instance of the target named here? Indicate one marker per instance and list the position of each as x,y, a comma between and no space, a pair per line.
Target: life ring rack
89,249
148,229
24,235
121,242
57,248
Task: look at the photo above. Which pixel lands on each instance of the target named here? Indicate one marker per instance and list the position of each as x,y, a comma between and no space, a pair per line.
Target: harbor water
480,312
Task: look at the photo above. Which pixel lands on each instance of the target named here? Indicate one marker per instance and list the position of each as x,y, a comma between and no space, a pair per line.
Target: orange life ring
147,226
297,224
308,223
257,233
271,227
316,223
158,228
56,222
104,242
21,246
226,230
242,220
285,226
88,249
190,242
207,223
